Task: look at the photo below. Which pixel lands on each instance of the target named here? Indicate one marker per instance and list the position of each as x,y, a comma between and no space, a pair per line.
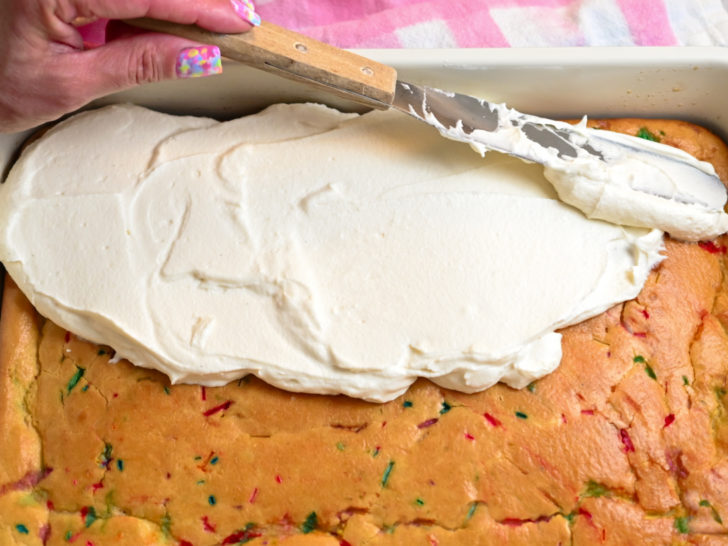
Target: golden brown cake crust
626,443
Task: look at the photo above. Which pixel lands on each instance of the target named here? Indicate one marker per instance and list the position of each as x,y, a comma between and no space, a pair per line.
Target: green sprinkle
389,529
90,516
375,453
716,515
198,458
75,379
570,517
686,382
649,371
68,536
531,386
166,389
310,524
120,465
200,482
101,352
85,387
639,358
340,446
22,529
166,523
645,133
212,500
521,415
407,404
594,489
214,460
419,501
471,511
445,408
681,524
387,472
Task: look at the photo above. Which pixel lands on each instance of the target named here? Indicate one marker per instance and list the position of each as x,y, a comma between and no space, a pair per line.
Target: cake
625,443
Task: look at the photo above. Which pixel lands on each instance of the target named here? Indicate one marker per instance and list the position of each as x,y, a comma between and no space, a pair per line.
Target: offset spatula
461,117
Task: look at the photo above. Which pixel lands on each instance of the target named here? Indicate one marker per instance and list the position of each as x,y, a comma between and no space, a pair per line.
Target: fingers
228,16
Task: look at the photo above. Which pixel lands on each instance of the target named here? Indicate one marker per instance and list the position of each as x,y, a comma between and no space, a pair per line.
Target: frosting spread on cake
632,182
323,252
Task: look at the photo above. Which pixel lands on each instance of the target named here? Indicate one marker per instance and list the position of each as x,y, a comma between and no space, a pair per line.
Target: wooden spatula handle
292,55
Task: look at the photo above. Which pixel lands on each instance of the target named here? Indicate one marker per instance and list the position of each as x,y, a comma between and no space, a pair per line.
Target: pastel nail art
246,10
194,62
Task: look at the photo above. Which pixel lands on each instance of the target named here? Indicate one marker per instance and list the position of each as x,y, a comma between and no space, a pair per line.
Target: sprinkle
376,451
645,133
214,460
387,472
445,408
22,529
710,246
105,457
645,313
669,420
686,381
428,423
340,446
75,379
101,352
471,511
67,337
626,440
649,371
242,536
253,496
68,536
96,486
203,393
166,389
531,386
521,415
85,387
207,526
310,524
638,358
186,543
221,407
166,523
88,515
492,420
681,524
469,436
587,412
407,404
716,515
279,479
419,501
594,489
212,500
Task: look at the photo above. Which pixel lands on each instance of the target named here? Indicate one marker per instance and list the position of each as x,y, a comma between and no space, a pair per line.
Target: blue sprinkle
22,529
212,500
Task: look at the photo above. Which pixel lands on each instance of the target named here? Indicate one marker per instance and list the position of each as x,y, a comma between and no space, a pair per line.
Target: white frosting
323,252
638,183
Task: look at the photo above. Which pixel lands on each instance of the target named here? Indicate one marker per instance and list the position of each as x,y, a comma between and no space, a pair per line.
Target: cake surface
625,443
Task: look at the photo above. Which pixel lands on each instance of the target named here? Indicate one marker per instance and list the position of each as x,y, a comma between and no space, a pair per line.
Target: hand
45,71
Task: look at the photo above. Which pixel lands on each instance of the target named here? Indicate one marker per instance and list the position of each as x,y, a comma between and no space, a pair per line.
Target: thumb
127,62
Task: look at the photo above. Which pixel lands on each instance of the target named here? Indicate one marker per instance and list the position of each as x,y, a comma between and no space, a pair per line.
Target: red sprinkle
96,486
343,542
711,247
49,505
645,313
241,536
587,412
185,543
67,337
253,496
203,393
221,407
209,527
585,513
669,420
563,418
469,436
279,479
428,423
492,420
626,440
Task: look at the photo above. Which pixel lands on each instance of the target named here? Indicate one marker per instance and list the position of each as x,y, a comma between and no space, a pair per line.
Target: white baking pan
682,83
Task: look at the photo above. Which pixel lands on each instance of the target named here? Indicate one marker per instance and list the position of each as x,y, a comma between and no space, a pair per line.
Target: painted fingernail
194,62
246,10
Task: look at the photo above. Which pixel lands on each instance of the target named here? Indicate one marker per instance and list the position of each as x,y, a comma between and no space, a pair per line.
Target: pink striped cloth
503,23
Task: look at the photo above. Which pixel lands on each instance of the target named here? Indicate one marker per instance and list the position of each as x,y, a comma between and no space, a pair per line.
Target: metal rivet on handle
301,47
367,71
